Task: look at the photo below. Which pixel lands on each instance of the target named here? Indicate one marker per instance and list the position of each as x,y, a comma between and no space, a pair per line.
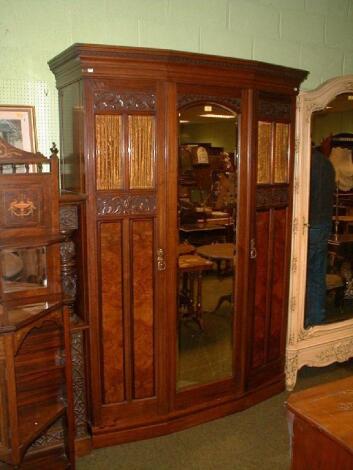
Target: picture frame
17,126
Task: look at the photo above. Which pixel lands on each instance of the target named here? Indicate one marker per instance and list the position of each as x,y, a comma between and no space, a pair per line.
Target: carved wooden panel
272,196
111,312
109,160
143,300
124,101
272,109
261,279
264,152
126,204
142,151
233,103
280,219
79,384
281,153
68,218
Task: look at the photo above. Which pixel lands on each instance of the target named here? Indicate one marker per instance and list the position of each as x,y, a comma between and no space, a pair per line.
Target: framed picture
17,127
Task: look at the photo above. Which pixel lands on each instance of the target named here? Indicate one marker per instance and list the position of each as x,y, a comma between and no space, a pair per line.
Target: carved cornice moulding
233,103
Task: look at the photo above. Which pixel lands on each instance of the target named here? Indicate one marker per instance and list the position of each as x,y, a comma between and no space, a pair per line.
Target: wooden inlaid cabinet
120,132
36,421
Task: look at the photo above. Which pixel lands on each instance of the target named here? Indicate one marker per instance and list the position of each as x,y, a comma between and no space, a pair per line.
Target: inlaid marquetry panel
264,150
112,312
281,153
262,265
22,208
143,321
280,217
109,160
142,151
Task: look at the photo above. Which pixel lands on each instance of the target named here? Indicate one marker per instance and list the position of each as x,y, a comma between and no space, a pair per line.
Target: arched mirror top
317,99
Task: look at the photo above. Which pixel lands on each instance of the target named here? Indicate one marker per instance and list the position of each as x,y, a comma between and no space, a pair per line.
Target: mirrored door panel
329,288
207,207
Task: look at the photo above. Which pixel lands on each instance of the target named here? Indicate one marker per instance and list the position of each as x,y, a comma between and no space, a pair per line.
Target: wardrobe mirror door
329,287
207,207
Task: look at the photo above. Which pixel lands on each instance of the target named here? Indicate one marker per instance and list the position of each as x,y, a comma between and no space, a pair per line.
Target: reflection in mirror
329,288
207,196
23,269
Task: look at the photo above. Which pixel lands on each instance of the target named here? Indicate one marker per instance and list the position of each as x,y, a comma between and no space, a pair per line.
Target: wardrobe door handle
253,251
161,264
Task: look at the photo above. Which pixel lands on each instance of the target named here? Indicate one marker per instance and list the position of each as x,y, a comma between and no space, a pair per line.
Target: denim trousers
316,274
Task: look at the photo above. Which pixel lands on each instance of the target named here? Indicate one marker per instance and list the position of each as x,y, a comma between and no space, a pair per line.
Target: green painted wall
311,34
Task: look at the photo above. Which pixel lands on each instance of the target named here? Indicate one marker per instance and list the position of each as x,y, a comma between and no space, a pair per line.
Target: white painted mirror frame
319,345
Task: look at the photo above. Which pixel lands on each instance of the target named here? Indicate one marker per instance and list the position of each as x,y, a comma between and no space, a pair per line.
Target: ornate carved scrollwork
291,370
68,223
271,197
273,110
129,101
339,351
126,205
79,384
233,103
68,218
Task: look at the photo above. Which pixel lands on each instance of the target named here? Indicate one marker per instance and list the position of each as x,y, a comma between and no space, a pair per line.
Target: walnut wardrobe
123,147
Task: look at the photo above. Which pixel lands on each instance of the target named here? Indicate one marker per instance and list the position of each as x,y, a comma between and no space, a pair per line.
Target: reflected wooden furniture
321,427
201,233
219,252
185,249
119,138
345,220
36,402
191,268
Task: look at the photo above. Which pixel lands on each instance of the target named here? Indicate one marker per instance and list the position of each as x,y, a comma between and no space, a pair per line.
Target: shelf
31,242
52,460
18,317
34,420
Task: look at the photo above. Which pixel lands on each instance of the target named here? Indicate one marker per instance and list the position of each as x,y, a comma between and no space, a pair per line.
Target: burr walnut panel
112,312
141,150
109,135
143,300
261,292
280,221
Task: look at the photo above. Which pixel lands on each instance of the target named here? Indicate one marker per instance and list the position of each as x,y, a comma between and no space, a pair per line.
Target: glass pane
264,152
109,151
329,288
141,150
207,197
281,153
23,269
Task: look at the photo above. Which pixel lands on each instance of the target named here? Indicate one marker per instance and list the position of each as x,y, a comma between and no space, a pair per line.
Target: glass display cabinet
36,425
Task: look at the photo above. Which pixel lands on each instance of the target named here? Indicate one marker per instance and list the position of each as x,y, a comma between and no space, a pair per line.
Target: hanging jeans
316,274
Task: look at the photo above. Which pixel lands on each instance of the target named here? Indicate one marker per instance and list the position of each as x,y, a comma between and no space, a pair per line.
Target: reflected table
191,268
218,252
